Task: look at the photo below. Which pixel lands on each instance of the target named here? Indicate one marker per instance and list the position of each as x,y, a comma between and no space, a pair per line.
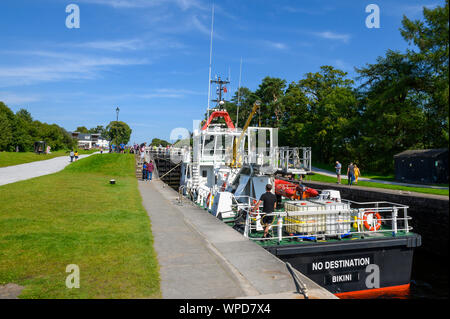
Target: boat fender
370,227
254,208
355,224
208,199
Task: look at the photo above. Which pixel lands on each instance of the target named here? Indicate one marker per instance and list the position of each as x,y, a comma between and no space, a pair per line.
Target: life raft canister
370,227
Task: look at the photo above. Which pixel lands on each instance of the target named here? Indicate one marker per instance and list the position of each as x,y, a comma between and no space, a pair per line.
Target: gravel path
16,173
344,177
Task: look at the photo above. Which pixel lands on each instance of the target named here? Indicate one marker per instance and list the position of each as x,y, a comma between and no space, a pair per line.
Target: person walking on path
76,155
72,154
350,174
144,171
150,168
270,203
142,154
338,168
357,174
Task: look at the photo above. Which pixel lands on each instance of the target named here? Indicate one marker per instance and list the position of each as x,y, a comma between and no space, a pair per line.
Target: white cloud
128,44
276,45
410,10
197,24
49,66
116,45
10,98
340,64
127,4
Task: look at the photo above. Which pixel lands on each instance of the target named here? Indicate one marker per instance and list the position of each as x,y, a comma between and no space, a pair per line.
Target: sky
150,58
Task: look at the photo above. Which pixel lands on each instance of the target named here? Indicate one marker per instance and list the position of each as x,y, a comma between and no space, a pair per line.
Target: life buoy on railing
367,225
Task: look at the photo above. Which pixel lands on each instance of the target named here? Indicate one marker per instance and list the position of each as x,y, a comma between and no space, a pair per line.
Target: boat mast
220,91
210,56
239,95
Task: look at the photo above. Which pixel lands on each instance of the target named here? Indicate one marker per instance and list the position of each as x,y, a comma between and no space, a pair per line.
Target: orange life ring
366,224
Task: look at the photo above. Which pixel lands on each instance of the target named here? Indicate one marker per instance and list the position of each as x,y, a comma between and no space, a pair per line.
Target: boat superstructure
344,246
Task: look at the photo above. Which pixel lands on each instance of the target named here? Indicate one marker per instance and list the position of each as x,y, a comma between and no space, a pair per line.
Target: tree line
19,132
399,103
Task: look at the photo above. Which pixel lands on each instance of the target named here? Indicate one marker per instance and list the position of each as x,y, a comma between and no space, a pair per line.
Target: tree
404,101
270,91
23,137
99,129
82,129
431,37
158,142
330,107
393,118
118,132
7,128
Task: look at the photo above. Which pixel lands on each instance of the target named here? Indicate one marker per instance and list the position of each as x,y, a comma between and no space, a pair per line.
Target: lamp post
117,120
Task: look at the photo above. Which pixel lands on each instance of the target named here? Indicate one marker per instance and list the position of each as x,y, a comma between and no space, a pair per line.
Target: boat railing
296,159
373,220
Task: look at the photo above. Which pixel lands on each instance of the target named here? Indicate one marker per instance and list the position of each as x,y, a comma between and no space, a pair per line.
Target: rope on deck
301,287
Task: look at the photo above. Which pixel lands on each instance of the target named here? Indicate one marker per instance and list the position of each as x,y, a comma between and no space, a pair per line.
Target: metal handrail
339,225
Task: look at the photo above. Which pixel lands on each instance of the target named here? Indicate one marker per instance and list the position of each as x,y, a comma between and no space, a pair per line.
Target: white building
88,141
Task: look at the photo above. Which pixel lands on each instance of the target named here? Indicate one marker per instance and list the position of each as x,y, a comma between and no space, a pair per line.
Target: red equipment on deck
223,114
293,191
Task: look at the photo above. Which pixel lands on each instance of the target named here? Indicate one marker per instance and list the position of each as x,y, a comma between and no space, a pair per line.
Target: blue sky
151,57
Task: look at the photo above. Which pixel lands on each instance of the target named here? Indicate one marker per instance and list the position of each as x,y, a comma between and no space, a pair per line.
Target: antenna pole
239,95
210,56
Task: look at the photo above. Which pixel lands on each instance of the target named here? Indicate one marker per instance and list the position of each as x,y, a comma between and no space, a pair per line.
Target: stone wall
429,212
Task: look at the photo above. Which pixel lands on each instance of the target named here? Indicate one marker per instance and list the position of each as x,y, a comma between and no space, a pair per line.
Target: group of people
73,155
353,173
147,171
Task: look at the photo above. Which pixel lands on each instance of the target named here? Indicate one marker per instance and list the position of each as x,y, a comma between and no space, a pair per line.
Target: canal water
429,278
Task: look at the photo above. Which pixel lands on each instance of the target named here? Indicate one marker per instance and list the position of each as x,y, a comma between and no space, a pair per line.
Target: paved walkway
201,257
16,173
344,177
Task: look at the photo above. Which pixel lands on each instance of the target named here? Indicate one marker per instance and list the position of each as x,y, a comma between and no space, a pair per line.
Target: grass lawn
327,179
76,217
371,175
16,158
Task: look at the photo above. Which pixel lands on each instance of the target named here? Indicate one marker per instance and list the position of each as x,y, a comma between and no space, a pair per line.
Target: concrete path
344,177
201,257
12,174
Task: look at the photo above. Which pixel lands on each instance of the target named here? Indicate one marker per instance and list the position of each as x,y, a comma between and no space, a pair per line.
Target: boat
349,248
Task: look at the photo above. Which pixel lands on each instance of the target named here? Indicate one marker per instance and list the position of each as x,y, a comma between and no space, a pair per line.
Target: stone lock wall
429,212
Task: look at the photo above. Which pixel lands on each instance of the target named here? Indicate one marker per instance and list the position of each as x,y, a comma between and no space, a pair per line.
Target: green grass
16,158
327,179
371,175
76,217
